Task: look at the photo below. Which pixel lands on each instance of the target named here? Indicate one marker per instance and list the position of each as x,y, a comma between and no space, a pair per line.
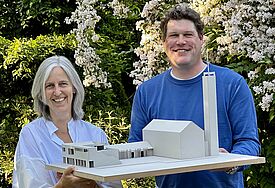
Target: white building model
163,138
90,154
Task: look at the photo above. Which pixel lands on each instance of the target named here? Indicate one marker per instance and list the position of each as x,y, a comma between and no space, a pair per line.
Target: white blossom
270,71
85,16
150,51
266,100
120,9
252,75
258,89
248,29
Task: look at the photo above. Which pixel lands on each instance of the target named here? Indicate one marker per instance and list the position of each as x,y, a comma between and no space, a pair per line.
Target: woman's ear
202,38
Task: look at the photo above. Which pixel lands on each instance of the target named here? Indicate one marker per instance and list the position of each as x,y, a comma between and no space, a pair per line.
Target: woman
58,97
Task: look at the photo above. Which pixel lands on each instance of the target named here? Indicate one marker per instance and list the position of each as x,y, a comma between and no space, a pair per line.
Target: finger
88,184
222,150
84,180
59,175
69,170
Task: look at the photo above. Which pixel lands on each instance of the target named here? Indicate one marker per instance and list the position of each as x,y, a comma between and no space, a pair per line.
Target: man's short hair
178,12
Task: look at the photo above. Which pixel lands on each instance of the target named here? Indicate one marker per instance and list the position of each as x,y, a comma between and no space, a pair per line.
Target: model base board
155,166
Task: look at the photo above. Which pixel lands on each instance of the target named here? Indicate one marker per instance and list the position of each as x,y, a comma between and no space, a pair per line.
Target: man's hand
229,170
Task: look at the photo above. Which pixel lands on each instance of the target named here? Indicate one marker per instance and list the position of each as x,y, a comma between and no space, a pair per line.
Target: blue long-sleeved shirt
164,97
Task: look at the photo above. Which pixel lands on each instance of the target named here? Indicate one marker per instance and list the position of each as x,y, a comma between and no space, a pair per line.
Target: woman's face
59,93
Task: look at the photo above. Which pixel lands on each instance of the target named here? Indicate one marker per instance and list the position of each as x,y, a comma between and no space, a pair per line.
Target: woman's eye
49,86
63,84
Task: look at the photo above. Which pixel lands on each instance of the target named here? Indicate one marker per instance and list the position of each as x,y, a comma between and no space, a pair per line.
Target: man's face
182,44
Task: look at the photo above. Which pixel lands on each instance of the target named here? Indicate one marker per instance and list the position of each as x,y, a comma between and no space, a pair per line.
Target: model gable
175,139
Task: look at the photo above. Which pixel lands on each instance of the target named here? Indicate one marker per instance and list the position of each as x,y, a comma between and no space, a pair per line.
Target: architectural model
163,138
168,147
176,134
210,113
89,154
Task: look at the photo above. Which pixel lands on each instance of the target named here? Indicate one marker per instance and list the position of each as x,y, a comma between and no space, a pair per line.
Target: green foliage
30,18
32,30
261,175
115,125
22,54
148,182
14,112
19,61
118,39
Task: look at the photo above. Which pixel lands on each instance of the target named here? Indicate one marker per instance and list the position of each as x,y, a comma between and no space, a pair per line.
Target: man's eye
188,35
174,35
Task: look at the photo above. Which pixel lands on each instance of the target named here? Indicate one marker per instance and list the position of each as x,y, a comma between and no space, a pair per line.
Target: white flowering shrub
120,41
150,52
241,35
244,29
106,50
264,86
85,16
119,8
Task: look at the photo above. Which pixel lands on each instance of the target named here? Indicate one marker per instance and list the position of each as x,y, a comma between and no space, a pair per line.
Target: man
176,94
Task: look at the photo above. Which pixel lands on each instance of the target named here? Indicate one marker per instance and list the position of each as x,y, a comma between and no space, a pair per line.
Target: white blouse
38,145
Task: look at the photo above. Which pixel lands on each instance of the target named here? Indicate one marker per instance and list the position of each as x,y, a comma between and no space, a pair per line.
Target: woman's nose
57,91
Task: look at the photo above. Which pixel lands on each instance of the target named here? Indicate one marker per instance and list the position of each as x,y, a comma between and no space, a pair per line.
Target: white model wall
175,139
192,142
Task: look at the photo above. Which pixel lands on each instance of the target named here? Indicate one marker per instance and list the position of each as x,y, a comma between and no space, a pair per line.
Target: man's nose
181,39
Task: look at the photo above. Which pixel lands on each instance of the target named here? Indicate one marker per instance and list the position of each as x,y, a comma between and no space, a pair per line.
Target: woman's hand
68,180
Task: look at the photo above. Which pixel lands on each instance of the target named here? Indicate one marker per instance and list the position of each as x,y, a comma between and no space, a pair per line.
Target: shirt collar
52,128
177,78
